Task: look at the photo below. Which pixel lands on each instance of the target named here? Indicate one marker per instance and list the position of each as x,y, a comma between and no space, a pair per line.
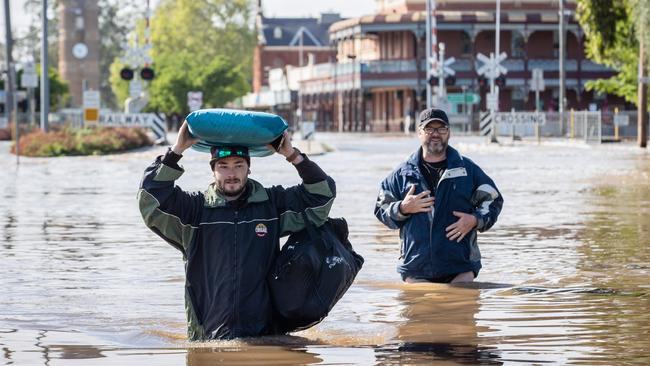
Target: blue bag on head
231,127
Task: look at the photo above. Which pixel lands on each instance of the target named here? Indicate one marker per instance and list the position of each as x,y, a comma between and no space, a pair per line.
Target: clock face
80,51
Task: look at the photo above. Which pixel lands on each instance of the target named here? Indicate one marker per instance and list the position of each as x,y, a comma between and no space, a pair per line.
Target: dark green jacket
229,247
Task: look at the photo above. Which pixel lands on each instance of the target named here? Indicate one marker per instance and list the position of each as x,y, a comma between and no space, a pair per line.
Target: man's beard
437,149
230,193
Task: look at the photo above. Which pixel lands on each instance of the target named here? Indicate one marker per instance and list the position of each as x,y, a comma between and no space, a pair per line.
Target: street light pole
10,79
432,42
45,80
561,66
494,90
300,50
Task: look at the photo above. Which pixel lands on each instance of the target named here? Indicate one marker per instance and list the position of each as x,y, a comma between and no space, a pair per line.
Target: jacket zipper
235,314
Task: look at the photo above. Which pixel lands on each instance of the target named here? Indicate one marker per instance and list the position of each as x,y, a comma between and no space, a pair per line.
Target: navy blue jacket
425,249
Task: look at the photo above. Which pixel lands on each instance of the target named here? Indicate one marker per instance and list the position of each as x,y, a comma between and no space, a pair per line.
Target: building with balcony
378,78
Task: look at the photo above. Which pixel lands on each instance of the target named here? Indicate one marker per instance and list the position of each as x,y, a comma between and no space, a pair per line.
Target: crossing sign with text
521,118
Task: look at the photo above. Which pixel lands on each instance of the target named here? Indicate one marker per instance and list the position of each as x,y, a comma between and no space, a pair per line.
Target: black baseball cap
432,114
221,152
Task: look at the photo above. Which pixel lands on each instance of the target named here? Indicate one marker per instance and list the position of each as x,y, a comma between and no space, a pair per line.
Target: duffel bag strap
315,235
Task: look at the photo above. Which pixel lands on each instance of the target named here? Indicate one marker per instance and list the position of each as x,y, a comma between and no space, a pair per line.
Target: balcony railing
330,70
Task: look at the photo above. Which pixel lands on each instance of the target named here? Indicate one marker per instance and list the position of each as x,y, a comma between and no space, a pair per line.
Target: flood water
564,280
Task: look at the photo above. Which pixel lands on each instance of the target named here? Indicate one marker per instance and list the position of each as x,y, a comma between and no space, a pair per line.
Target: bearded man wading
438,200
229,234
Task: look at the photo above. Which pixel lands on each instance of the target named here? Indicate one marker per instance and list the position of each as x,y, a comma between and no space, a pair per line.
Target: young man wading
438,200
229,234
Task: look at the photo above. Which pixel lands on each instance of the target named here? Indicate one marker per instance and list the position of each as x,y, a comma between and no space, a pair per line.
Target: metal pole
493,89
300,79
428,56
10,80
642,118
45,81
442,92
561,66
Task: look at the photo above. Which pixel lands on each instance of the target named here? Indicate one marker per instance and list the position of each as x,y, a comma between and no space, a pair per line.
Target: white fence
592,127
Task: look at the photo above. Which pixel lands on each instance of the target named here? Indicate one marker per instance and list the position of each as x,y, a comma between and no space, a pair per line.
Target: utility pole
300,50
45,80
494,90
562,39
10,79
432,42
642,118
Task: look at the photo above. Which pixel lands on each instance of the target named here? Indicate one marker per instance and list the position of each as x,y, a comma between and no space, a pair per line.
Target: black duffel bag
314,269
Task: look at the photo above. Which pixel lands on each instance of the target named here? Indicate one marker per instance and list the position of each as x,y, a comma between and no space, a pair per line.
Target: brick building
378,77
282,41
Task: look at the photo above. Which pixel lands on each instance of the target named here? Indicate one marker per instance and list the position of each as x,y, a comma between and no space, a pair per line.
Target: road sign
621,119
645,80
491,67
521,118
148,120
29,79
492,101
194,100
537,81
457,98
485,123
91,104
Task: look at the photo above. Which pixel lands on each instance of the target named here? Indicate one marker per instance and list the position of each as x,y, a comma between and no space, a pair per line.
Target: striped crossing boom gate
486,123
153,121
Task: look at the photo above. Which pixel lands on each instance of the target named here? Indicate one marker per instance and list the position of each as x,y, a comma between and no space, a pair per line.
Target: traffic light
500,81
147,73
432,80
126,74
450,80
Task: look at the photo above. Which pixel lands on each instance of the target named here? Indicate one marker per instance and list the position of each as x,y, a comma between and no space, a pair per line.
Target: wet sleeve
314,196
388,201
167,210
487,200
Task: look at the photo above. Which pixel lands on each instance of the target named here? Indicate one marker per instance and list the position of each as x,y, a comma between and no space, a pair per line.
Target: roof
288,31
447,16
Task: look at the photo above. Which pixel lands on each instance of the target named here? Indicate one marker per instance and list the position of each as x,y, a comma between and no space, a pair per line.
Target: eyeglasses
439,130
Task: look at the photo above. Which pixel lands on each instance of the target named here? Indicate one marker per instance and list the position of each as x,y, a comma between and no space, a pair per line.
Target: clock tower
79,46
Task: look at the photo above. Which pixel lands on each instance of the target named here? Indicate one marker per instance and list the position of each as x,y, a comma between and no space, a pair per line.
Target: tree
612,29
116,20
202,45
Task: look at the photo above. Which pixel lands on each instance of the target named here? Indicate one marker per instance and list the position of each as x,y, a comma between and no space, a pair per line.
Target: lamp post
432,42
561,39
45,80
352,58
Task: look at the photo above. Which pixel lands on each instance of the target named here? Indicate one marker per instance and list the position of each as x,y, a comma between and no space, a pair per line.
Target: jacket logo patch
260,230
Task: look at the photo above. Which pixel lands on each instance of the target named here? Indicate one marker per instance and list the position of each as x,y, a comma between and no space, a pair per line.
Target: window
277,33
465,43
518,45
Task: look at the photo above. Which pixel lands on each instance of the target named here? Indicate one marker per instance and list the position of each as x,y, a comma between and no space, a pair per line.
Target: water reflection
438,324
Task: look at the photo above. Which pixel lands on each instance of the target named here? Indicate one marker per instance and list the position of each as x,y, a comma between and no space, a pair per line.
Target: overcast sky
272,8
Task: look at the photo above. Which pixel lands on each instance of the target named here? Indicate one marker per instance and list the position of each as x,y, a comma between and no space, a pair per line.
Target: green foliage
204,45
612,28
115,23
85,141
